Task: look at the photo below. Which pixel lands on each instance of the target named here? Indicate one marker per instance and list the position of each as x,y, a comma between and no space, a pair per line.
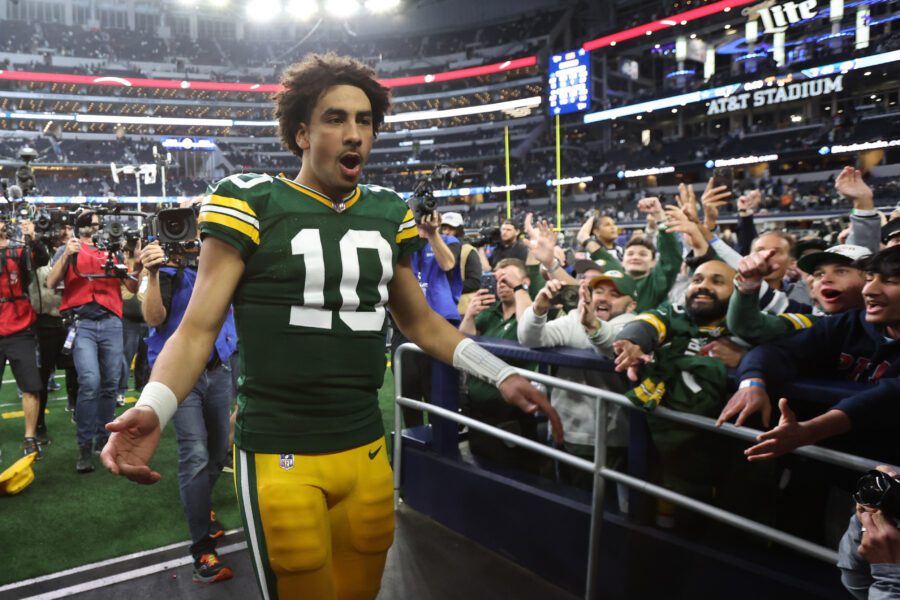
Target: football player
310,264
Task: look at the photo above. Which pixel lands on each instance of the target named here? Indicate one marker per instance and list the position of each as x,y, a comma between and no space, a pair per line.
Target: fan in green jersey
311,265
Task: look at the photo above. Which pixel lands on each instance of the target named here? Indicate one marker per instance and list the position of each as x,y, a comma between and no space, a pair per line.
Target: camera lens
173,228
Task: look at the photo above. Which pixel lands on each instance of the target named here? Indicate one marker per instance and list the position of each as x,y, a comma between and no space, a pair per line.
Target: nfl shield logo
287,461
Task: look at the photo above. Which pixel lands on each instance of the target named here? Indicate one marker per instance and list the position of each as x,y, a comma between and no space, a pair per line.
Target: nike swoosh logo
372,455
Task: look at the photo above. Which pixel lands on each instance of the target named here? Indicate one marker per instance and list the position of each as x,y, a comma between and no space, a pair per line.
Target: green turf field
65,519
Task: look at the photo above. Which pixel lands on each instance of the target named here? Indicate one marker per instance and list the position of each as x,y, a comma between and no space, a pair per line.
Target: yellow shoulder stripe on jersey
234,203
656,322
798,320
348,202
650,393
406,234
231,223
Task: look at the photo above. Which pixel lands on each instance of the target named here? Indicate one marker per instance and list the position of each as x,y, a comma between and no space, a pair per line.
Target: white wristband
161,399
478,362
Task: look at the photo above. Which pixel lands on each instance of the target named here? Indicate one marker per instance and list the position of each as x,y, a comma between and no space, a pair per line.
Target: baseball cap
583,265
891,229
453,219
806,244
624,283
18,476
847,254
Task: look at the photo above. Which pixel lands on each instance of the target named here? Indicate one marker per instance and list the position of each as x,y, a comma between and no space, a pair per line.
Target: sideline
119,559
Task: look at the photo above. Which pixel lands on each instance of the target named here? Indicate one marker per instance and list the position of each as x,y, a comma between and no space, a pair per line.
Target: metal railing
602,473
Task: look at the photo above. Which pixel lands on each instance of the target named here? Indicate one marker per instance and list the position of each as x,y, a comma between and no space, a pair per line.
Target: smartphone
724,176
489,283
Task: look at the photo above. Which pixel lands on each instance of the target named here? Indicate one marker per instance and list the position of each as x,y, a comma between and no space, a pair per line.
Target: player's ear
302,137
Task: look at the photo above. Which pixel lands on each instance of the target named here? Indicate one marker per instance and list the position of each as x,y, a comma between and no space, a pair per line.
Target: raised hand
542,302
744,403
713,199
687,201
787,436
651,207
849,183
752,269
629,358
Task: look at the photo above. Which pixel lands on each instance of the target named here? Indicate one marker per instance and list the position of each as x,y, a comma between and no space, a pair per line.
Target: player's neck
312,183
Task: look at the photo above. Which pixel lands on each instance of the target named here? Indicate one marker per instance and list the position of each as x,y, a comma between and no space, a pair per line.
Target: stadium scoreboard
569,82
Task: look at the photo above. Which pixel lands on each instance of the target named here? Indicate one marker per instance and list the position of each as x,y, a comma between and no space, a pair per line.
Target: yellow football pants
318,526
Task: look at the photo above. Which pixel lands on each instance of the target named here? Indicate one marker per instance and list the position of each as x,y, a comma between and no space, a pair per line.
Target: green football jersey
310,307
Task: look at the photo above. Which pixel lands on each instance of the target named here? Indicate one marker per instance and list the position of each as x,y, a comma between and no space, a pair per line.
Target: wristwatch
556,264
521,286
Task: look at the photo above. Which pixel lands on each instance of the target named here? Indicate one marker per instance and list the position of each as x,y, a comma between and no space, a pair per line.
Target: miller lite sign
776,18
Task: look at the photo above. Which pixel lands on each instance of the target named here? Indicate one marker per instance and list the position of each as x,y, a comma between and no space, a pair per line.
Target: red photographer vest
16,313
81,290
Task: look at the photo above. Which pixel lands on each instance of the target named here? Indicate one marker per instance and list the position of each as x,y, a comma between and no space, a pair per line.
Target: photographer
92,300
202,420
18,342
869,553
51,334
434,266
510,246
466,256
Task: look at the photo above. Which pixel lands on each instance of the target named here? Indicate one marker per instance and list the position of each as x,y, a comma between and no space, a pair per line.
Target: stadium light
342,9
219,3
381,6
302,10
263,10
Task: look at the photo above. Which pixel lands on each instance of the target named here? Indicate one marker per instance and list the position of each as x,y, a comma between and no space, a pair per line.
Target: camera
423,202
175,229
879,490
567,297
487,236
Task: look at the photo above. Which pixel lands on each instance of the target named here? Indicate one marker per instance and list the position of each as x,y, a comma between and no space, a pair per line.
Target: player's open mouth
351,165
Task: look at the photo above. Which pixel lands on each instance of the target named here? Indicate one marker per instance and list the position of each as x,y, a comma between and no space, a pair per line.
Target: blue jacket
442,290
183,286
845,347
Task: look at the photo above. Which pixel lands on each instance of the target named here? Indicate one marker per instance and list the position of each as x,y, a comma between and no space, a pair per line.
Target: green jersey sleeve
659,319
746,321
229,211
606,259
408,239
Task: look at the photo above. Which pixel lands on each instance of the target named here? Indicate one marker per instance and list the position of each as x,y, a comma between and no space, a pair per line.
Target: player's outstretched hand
135,436
518,391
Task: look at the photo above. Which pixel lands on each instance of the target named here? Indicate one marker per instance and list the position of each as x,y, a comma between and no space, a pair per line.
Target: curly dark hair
303,83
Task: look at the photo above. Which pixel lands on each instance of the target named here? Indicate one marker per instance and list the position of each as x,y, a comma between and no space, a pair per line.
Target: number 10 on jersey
308,244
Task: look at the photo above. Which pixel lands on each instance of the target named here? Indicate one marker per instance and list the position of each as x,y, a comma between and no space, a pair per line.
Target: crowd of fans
701,319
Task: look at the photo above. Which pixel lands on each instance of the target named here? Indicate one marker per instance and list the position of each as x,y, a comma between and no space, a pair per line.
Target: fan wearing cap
606,304
890,233
466,256
836,280
858,345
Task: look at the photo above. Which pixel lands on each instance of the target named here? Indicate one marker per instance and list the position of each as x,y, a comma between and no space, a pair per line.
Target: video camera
423,201
487,236
175,229
115,232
